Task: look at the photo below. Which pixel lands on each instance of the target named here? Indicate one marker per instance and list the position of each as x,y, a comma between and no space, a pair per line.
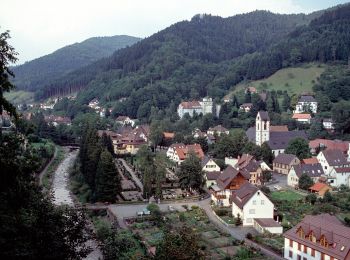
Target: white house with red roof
302,118
339,176
179,152
199,107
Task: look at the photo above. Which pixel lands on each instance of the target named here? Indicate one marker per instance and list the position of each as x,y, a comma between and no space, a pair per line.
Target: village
285,205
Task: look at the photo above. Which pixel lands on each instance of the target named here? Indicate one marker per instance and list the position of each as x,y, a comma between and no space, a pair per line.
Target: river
63,196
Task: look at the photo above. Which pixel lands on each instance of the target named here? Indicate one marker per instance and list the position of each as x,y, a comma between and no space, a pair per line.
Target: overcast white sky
39,27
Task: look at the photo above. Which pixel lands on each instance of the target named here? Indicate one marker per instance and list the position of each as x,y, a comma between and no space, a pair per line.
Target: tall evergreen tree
107,178
190,174
107,143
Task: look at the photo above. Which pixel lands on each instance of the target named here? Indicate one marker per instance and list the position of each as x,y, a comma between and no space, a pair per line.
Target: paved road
132,173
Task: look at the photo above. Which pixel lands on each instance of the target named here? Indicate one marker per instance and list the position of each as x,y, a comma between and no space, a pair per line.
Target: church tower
262,128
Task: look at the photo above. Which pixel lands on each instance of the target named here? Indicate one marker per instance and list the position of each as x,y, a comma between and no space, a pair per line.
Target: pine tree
107,178
107,143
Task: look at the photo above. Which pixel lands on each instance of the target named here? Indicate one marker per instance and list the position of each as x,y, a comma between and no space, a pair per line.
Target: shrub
249,236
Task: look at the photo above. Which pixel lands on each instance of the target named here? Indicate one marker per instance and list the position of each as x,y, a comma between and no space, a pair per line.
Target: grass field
286,195
295,80
20,97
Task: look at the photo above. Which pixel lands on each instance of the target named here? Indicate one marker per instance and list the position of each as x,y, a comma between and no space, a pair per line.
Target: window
312,252
304,258
252,211
322,256
254,202
299,257
305,249
291,254
262,202
290,243
299,246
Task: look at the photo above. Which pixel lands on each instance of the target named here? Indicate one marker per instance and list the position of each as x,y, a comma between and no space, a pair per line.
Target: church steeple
262,128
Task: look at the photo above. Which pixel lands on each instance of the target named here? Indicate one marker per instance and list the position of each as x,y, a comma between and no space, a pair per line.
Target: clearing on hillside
19,97
295,80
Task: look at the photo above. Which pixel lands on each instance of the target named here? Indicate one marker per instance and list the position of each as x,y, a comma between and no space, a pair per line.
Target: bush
249,236
182,216
221,212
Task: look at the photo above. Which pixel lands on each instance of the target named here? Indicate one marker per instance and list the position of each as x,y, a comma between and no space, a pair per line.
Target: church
277,137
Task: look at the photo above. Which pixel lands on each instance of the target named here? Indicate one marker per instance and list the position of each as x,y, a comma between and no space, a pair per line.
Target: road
132,173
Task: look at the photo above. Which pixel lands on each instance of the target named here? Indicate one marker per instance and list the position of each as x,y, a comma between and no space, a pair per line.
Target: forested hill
206,56
35,74
208,39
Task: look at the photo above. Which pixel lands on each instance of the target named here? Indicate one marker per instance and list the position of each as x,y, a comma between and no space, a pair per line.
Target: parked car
171,208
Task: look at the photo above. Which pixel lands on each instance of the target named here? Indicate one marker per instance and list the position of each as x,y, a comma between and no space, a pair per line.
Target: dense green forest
37,73
188,54
207,56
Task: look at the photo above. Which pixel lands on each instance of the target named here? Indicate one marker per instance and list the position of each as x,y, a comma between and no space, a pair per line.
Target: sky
39,27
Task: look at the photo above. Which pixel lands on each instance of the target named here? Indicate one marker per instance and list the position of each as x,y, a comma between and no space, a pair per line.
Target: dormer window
312,237
323,241
301,233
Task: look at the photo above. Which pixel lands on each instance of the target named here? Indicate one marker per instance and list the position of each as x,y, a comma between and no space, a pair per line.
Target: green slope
36,73
19,97
295,80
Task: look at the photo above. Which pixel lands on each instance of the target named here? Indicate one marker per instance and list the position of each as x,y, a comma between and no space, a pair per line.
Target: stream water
62,195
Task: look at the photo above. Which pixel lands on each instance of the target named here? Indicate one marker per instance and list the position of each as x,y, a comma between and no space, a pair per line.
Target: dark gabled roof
241,196
337,235
205,160
267,222
307,99
218,128
212,176
264,115
312,170
228,175
285,158
335,157
280,140
252,166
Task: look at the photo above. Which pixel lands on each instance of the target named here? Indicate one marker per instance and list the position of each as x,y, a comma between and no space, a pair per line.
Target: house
247,164
246,107
320,188
330,159
197,133
94,104
209,165
328,124
306,103
302,118
284,162
317,237
323,144
219,130
195,107
252,90
249,203
314,171
125,120
211,177
339,176
277,137
179,152
263,225
58,120
227,182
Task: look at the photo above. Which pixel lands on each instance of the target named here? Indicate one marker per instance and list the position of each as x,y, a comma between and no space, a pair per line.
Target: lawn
286,195
295,80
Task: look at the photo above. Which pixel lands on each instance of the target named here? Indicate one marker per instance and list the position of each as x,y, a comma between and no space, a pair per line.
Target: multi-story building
320,237
195,107
314,171
306,103
284,162
330,159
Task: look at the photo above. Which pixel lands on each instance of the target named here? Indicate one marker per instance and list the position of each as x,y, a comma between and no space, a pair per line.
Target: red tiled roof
330,144
183,151
312,160
301,116
278,128
168,135
318,186
190,104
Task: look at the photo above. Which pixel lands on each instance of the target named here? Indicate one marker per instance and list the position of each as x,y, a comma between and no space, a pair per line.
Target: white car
171,208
